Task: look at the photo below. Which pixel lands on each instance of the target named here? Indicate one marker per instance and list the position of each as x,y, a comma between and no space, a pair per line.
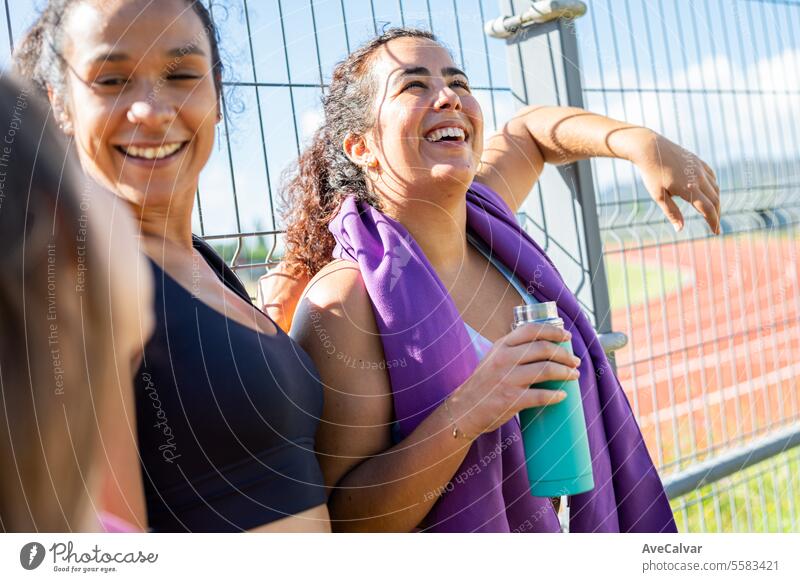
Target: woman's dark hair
324,175
39,56
55,348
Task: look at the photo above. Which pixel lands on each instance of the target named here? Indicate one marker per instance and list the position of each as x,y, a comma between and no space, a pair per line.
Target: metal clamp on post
541,11
613,341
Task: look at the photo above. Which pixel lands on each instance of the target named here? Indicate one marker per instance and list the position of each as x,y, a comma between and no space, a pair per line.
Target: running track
718,360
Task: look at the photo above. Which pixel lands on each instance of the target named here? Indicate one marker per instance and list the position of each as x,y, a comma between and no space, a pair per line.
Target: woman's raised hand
500,386
668,170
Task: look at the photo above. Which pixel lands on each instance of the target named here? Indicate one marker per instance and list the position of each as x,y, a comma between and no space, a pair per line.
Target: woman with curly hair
409,324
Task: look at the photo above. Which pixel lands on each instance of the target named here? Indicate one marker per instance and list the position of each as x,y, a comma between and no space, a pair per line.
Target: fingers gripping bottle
554,436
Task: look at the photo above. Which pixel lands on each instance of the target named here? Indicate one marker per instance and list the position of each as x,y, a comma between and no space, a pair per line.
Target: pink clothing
110,523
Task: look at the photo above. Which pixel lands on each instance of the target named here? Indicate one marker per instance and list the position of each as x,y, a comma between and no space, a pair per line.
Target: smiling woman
226,403
405,220
135,120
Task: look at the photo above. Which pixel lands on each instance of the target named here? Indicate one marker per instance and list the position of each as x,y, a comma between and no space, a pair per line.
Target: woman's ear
60,111
358,151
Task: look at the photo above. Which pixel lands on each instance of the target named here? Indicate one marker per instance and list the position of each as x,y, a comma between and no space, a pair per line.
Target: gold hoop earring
373,173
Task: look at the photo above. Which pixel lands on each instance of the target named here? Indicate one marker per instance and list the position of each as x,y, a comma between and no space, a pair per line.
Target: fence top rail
731,462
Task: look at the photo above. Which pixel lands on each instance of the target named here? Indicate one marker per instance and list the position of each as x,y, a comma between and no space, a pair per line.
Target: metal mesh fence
714,323
284,53
763,498
279,56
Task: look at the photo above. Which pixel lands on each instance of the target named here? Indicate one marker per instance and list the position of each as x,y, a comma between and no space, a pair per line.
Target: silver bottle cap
537,313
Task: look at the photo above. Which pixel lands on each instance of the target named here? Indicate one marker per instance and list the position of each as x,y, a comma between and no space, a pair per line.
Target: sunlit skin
141,78
130,286
397,149
411,101
380,487
408,171
131,86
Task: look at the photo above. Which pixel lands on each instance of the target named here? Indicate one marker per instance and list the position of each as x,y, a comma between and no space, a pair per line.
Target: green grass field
634,283
773,501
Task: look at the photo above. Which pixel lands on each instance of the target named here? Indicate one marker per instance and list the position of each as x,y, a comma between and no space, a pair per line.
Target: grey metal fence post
544,69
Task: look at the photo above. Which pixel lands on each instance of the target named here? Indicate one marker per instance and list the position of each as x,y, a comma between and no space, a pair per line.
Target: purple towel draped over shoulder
421,327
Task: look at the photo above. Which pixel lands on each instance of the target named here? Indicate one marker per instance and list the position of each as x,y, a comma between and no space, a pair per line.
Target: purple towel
420,325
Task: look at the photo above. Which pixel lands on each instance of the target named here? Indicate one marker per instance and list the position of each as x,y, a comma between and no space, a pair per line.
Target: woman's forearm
568,134
563,135
395,490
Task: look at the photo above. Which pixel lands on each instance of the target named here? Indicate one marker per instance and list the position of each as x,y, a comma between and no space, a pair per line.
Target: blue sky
720,77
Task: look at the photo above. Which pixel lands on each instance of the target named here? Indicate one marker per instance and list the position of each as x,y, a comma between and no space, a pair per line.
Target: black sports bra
226,417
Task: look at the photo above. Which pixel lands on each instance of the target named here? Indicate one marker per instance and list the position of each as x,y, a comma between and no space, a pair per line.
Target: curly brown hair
324,176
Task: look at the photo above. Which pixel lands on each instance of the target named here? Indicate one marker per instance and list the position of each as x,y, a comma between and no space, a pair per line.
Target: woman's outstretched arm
514,158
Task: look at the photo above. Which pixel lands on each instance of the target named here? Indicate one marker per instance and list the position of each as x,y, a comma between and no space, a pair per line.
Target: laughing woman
409,327
226,403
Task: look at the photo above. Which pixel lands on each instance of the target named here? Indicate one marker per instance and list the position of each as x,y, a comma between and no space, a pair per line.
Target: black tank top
226,417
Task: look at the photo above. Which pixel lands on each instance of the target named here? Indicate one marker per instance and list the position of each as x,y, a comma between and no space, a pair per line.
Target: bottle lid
537,312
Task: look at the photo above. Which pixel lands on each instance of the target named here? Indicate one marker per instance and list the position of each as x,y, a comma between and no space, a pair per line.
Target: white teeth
442,132
152,153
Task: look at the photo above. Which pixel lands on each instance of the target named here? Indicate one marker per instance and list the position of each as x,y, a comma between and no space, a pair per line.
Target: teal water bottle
554,436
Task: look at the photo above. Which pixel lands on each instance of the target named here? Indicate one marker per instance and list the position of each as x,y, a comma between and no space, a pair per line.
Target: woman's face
429,126
141,99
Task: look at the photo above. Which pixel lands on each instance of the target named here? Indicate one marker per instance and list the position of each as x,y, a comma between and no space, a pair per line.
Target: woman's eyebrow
423,71
415,71
453,72
108,57
189,49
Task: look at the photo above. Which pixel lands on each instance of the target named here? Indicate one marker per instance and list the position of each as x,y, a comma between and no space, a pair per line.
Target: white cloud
740,113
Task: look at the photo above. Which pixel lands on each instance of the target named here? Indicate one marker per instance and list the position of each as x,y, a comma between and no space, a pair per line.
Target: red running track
718,359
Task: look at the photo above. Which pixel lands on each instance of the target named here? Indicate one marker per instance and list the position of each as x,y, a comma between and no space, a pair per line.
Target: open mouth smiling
152,153
452,133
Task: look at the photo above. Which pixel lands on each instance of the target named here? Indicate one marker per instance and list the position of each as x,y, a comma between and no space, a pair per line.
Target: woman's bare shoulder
338,284
337,296
336,326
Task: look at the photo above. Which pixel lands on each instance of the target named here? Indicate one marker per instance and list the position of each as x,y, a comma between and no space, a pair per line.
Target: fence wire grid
714,322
